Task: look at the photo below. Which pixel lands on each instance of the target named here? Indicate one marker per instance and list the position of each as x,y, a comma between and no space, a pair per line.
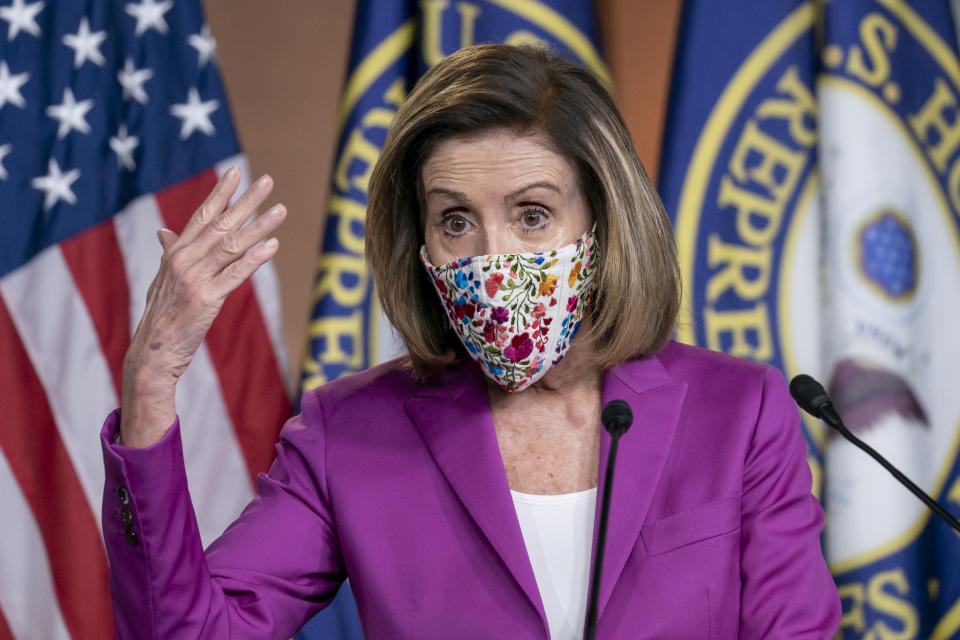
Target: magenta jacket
399,485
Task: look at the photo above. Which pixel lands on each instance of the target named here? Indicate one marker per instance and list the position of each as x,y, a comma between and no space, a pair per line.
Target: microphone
813,398
616,418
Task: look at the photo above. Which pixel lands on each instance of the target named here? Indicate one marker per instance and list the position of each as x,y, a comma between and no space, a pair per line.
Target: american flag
113,124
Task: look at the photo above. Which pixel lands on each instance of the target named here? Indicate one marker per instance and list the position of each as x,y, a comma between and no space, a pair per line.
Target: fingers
243,207
167,238
235,273
221,230
231,246
215,203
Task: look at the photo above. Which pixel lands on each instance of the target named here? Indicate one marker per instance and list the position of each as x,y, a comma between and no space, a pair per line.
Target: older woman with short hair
522,254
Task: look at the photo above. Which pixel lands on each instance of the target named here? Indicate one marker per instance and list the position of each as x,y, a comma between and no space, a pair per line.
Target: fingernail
159,239
271,243
275,211
232,171
263,181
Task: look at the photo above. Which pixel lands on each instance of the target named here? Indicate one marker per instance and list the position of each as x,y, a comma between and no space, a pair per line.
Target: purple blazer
399,485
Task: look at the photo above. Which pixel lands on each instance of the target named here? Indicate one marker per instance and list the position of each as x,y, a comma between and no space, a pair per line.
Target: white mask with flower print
517,313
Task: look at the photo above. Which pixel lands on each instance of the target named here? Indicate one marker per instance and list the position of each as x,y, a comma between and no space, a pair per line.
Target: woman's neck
549,433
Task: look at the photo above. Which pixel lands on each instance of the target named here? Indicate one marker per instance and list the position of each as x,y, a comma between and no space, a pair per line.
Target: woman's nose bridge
494,234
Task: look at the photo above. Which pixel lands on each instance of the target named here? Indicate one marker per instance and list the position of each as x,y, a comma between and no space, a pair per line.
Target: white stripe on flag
27,597
266,287
216,470
140,249
58,335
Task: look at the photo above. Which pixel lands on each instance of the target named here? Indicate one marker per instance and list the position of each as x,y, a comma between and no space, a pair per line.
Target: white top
558,532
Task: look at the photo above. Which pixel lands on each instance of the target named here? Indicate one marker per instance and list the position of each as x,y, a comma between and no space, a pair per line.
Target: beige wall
284,62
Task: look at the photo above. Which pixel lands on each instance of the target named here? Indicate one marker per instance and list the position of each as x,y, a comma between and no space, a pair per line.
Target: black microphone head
616,417
809,394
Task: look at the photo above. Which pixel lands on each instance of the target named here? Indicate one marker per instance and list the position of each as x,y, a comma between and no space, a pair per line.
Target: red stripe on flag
95,260
239,345
40,463
5,633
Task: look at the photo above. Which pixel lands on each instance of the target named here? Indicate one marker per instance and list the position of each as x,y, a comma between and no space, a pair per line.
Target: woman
525,259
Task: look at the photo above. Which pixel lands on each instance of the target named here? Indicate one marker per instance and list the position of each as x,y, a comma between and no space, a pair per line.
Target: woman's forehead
500,154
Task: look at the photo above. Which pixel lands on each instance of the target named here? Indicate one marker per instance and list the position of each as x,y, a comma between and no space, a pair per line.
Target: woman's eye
533,218
455,224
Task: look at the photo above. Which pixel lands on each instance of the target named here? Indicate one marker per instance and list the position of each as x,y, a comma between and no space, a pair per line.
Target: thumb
166,238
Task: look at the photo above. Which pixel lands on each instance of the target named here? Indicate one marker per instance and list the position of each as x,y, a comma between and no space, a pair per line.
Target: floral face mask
517,313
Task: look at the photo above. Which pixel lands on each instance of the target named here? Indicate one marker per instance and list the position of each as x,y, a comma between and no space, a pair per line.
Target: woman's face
496,193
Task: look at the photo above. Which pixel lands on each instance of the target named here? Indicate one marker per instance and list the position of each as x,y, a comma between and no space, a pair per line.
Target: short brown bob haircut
529,90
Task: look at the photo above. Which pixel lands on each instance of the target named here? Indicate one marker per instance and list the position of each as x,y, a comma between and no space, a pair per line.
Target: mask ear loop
425,257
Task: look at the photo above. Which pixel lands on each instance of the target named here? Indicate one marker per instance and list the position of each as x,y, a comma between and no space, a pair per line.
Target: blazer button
131,537
124,495
126,516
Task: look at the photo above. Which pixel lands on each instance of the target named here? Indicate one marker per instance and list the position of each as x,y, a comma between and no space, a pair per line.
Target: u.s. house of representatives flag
394,43
113,124
812,166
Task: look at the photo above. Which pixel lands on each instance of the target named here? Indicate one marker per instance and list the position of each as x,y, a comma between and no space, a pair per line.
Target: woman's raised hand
213,255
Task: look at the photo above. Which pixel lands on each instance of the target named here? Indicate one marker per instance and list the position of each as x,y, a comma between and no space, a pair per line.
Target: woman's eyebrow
459,196
540,184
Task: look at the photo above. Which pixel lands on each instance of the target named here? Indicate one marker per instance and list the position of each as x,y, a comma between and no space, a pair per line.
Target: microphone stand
835,422
616,419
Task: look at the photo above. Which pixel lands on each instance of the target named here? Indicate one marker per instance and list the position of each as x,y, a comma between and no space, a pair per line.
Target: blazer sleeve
270,571
787,590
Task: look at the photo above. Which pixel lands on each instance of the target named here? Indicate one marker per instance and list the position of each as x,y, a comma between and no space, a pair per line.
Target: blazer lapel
656,399
454,418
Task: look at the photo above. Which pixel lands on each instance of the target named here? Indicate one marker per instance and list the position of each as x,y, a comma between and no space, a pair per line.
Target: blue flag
812,168
394,43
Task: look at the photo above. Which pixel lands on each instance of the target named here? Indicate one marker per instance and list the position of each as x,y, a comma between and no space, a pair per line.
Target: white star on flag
10,86
195,114
22,18
205,45
86,45
56,185
5,150
123,145
149,15
70,114
132,80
